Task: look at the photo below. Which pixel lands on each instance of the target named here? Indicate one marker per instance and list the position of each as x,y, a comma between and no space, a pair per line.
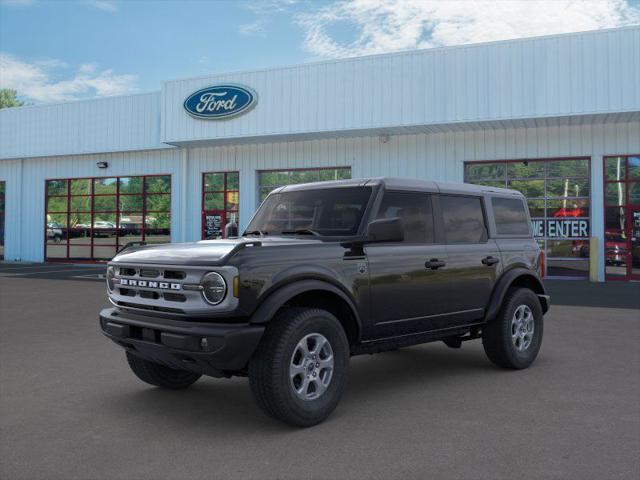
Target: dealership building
555,117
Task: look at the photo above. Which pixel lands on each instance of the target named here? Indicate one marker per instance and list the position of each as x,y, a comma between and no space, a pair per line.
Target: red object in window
541,264
570,212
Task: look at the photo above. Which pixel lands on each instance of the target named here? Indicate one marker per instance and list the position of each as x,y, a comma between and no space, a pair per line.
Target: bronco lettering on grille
129,282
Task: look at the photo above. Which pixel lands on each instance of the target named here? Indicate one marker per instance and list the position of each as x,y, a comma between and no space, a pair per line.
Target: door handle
488,261
434,264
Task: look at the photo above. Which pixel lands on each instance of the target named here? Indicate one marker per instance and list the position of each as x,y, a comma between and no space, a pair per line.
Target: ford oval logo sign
220,101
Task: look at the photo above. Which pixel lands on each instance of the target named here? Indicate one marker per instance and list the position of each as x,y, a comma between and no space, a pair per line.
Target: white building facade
556,117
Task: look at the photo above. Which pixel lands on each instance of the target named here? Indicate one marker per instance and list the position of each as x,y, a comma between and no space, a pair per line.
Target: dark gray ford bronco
329,270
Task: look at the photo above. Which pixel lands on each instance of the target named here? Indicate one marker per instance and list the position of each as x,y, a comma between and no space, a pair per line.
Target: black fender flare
281,295
507,279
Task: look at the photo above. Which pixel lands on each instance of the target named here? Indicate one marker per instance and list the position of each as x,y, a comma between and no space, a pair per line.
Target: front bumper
213,349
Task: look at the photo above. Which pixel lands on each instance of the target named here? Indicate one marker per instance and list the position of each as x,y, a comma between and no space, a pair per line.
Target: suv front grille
157,288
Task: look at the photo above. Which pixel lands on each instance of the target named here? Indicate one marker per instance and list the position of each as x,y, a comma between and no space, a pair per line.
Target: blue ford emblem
220,101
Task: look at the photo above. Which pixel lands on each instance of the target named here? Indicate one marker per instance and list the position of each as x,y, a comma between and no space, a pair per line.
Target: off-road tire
269,375
159,375
496,335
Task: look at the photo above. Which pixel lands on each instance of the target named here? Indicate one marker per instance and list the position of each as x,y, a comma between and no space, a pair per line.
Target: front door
408,280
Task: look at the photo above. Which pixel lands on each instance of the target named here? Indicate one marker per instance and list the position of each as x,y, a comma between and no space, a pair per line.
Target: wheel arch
516,277
312,293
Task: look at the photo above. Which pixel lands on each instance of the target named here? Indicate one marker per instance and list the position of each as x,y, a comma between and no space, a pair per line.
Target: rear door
408,282
473,258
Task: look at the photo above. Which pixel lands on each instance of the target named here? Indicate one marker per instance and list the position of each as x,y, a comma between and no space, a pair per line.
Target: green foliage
8,98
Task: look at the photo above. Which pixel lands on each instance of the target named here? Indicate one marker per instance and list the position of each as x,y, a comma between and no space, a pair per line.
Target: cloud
38,82
269,6
104,5
252,29
388,25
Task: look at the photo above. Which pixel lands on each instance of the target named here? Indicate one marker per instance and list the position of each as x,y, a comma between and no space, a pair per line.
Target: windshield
326,212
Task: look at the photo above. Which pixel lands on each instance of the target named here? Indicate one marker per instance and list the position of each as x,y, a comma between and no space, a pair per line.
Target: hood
204,252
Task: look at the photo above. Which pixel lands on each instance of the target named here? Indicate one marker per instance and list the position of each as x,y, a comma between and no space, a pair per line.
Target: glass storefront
622,217
92,218
269,180
558,192
2,210
220,202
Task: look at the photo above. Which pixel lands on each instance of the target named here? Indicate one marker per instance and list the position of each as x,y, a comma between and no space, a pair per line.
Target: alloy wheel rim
522,328
311,367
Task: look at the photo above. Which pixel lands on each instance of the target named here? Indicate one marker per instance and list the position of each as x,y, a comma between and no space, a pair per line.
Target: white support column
248,195
19,254
184,195
597,210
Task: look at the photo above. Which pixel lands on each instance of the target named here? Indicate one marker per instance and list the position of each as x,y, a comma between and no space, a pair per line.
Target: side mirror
385,230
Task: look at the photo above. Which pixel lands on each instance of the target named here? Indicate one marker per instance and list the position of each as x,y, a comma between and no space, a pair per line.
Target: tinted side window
414,209
510,216
463,219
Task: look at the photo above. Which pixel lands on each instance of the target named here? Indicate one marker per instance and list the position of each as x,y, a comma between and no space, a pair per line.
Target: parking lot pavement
54,271
70,408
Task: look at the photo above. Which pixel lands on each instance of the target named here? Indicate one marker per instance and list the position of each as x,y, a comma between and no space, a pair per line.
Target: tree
8,98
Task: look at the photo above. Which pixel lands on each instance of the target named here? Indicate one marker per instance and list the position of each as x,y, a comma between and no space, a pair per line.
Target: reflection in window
463,219
414,210
510,216
614,193
269,180
92,218
615,168
327,212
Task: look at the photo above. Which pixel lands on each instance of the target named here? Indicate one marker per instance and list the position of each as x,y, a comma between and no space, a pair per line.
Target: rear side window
510,216
414,209
463,219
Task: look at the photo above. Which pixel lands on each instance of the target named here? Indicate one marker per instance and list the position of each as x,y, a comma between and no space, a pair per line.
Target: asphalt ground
70,408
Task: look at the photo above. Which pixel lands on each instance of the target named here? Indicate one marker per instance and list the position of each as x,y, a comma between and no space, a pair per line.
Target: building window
622,217
269,180
92,218
558,192
220,202
2,210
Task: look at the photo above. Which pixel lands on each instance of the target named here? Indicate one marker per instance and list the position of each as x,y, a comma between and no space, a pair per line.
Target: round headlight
214,288
111,273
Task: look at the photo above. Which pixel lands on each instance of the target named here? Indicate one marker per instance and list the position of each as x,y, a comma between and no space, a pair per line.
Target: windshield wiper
261,233
301,231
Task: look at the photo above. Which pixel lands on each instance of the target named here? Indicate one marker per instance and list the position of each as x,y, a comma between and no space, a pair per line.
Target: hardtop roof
402,183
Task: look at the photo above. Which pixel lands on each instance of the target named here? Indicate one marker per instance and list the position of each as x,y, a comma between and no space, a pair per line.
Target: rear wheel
298,372
513,338
159,375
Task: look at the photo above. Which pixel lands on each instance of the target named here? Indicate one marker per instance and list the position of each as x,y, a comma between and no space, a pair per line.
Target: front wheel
159,375
513,338
298,372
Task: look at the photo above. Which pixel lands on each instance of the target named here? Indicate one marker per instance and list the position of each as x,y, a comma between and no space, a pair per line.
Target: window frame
91,246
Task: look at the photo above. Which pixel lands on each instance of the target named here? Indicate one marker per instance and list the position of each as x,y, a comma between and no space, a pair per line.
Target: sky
59,50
